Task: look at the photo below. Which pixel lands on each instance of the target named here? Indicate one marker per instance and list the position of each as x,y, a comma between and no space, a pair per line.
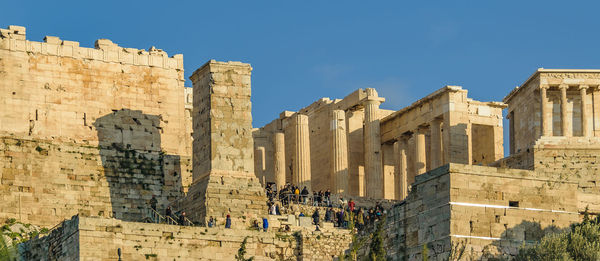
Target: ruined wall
99,239
490,211
223,180
98,130
62,243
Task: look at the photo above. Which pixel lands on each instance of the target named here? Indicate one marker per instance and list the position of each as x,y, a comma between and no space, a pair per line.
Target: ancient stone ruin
89,137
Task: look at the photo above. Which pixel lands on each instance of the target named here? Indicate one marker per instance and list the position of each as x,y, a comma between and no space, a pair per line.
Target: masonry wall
99,239
490,211
98,130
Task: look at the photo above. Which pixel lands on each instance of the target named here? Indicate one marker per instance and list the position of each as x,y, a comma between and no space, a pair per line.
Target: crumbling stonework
96,132
224,182
93,130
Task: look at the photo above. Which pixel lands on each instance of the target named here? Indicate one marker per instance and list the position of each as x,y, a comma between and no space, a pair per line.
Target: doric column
301,167
436,143
401,174
339,152
586,129
279,158
546,117
373,168
566,131
420,153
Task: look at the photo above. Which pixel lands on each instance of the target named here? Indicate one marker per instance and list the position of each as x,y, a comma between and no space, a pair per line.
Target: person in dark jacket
153,203
182,219
168,212
228,222
328,216
316,217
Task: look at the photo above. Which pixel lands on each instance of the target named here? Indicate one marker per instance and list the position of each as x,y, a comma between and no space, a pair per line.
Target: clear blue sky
305,50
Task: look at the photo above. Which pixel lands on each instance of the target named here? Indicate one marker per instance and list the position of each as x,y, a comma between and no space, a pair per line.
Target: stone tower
223,160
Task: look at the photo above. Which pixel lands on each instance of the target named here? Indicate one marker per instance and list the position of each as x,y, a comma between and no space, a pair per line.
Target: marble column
400,148
301,165
372,141
436,143
420,153
546,117
339,152
586,129
564,116
279,159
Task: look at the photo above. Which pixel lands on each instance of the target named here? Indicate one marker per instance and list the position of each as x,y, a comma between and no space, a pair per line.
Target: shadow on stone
134,165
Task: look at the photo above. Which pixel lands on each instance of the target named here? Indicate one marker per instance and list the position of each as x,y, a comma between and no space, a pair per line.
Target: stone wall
44,182
490,211
99,239
97,130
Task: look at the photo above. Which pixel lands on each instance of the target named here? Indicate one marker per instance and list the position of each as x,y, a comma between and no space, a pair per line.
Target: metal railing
155,217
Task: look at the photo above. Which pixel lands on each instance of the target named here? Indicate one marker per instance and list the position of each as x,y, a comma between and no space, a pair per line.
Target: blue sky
305,50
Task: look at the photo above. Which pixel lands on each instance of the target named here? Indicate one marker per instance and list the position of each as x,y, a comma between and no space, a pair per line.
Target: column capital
544,86
583,87
563,86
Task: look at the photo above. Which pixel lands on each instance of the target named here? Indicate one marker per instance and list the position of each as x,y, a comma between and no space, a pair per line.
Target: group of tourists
294,194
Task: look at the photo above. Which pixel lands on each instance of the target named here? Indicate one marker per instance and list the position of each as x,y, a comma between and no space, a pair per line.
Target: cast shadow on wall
134,165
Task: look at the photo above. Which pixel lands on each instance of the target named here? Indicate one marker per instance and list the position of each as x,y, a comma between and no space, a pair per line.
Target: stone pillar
401,174
420,152
373,168
301,168
259,158
564,116
546,118
279,159
339,153
436,143
469,132
586,129
223,147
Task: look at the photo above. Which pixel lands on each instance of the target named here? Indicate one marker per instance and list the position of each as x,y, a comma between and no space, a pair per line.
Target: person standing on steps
182,219
153,203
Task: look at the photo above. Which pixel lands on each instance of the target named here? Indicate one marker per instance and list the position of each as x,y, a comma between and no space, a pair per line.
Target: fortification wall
98,130
99,239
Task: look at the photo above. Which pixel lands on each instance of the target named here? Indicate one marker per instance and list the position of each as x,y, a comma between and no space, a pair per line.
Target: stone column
279,159
420,153
373,168
546,117
586,129
401,174
259,158
301,167
436,143
566,131
339,152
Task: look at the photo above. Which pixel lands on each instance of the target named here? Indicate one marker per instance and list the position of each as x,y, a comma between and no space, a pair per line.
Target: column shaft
401,174
436,143
373,168
279,159
339,152
302,175
545,118
564,118
586,129
420,154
